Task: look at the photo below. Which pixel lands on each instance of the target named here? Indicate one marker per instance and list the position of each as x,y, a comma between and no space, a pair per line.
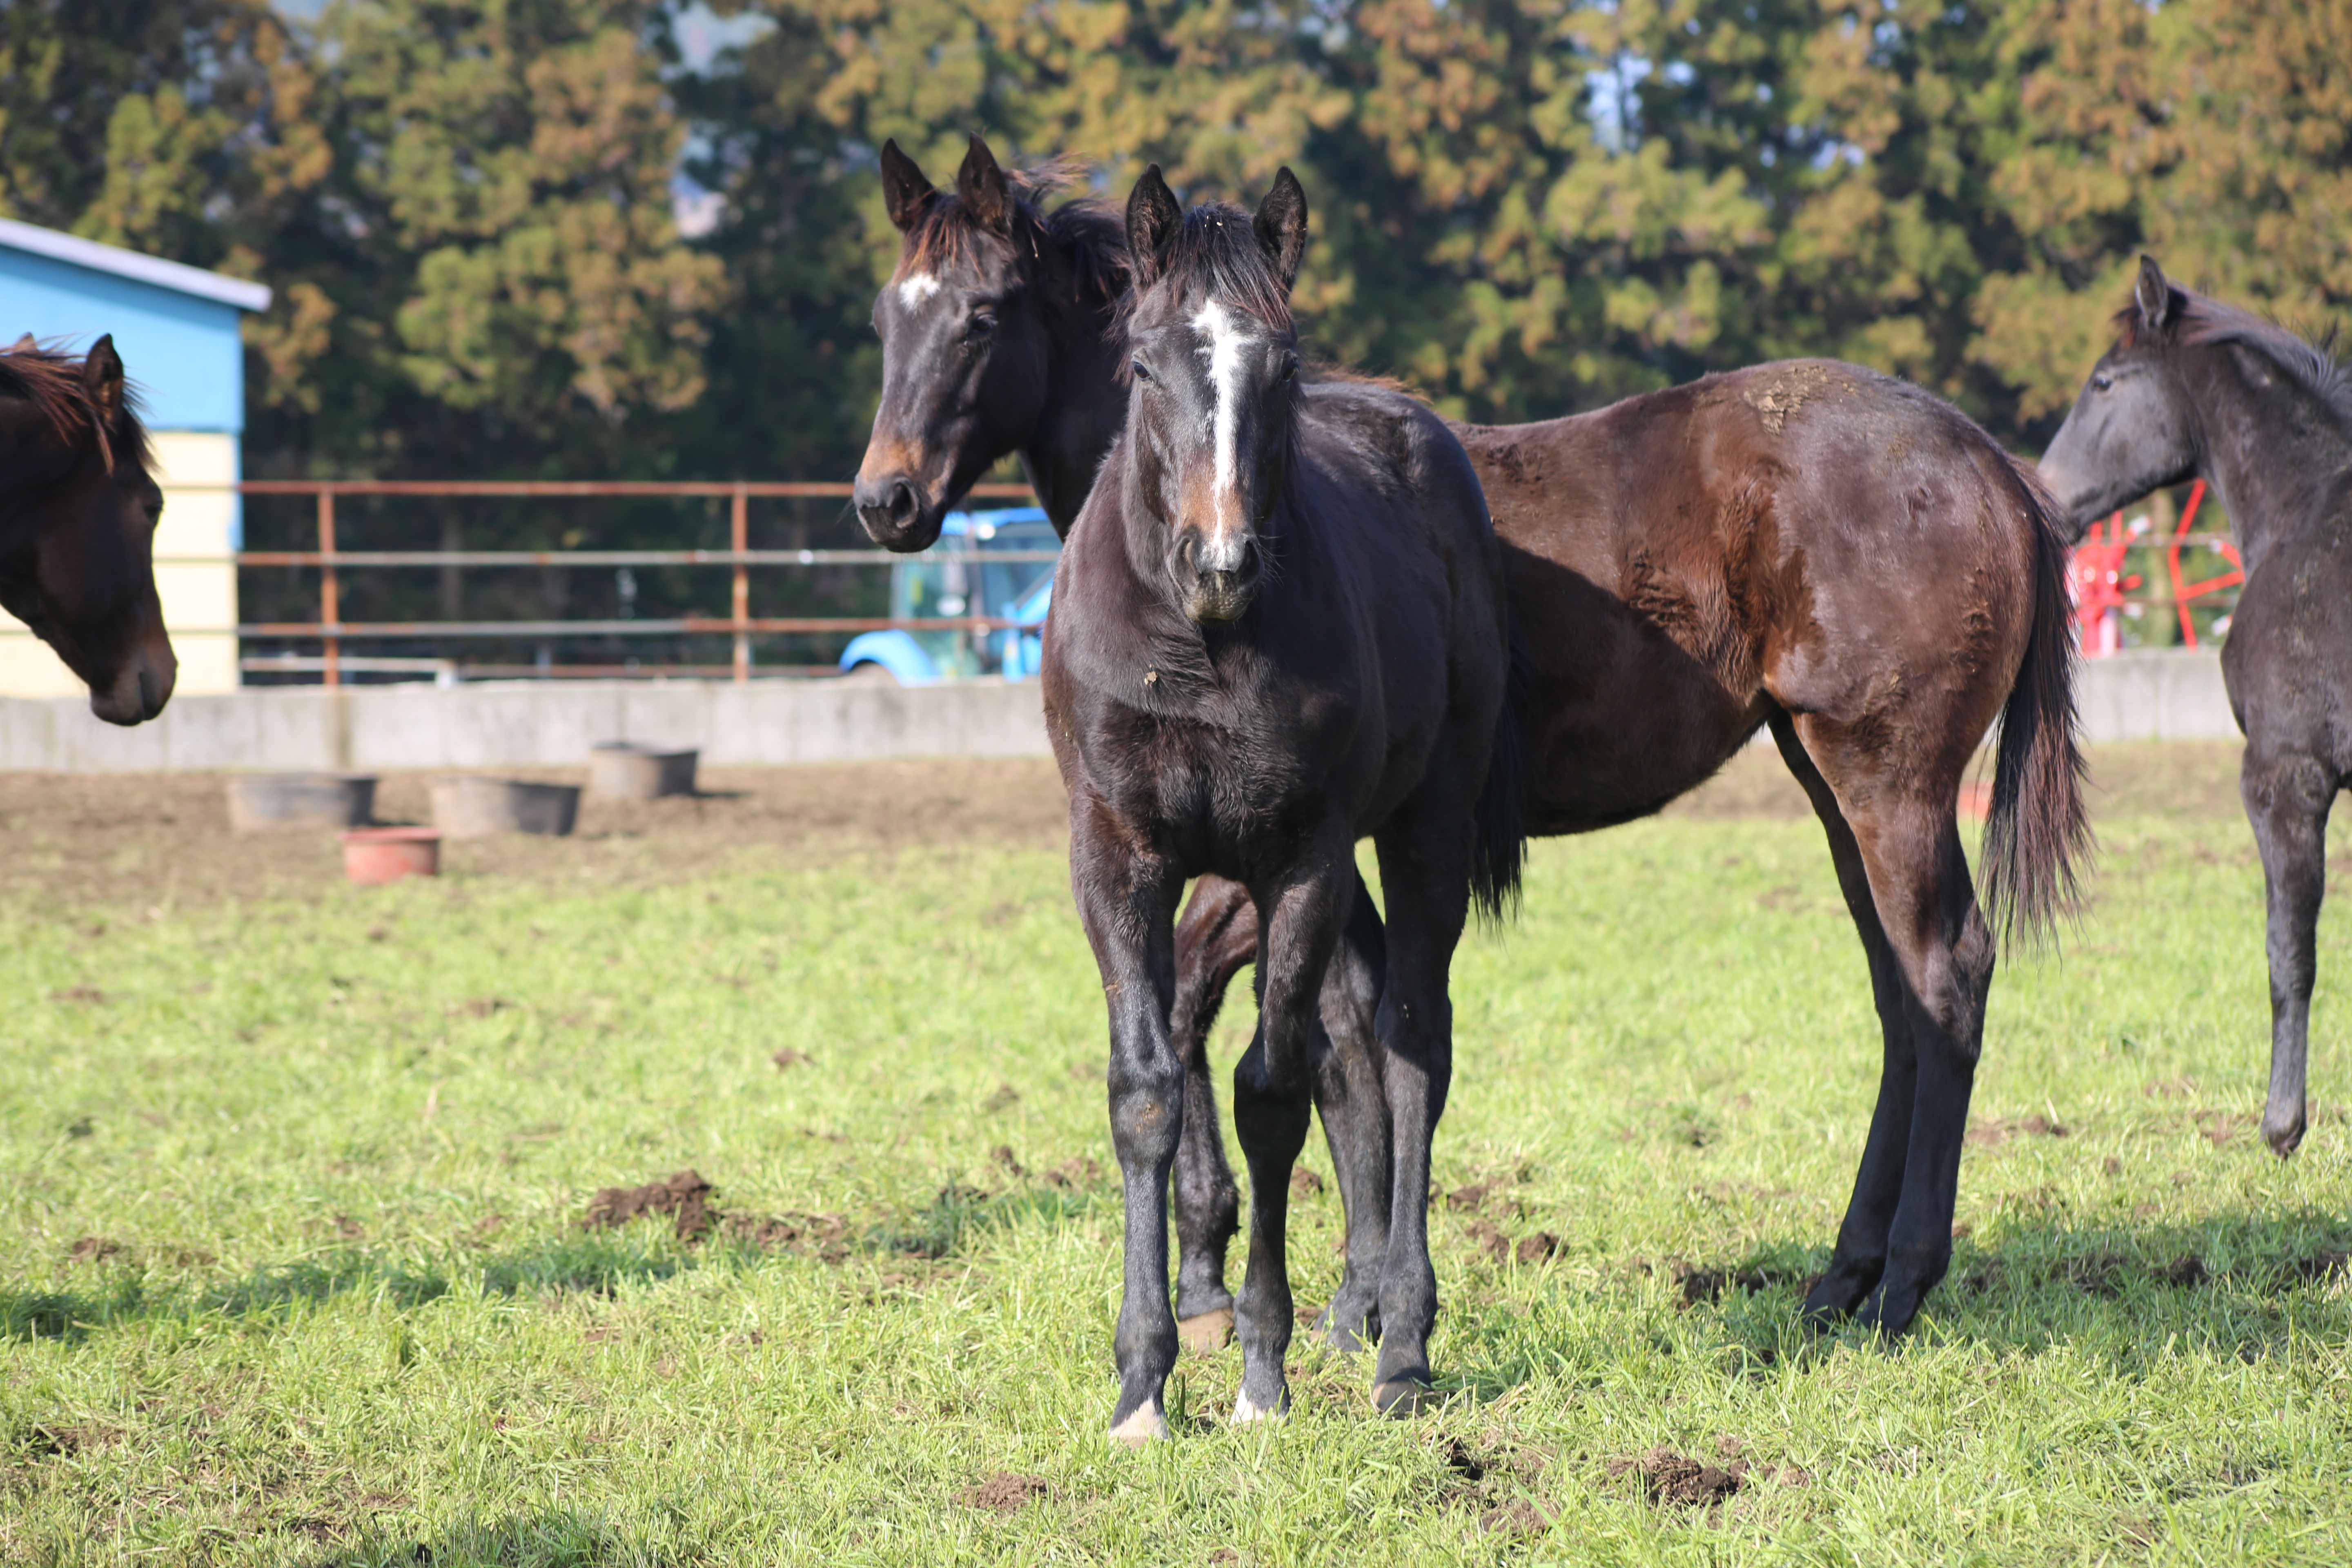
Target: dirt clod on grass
1993,1134
1699,1283
1516,1517
684,1195
94,1249
1678,1480
1005,1492
789,1059
1077,1171
1306,1184
1536,1248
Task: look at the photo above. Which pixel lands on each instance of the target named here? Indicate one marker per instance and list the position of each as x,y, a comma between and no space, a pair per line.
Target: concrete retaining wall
2156,694
2150,696
522,724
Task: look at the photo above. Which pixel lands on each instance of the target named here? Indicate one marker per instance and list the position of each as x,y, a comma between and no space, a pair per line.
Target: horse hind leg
1943,952
1354,1105
2287,796
1215,940
1860,1256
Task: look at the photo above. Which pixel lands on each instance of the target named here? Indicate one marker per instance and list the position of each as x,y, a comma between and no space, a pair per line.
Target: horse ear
25,345
1153,218
1281,225
102,378
2153,294
980,184
903,190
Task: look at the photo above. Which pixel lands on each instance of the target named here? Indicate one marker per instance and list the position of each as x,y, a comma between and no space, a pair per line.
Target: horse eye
1135,365
2102,381
980,326
1289,373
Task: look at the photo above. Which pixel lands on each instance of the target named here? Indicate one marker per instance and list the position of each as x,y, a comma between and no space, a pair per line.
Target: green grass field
292,1266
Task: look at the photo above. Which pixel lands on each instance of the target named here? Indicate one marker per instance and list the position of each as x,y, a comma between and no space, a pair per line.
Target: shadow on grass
960,1214
2244,1285
559,1538
598,1261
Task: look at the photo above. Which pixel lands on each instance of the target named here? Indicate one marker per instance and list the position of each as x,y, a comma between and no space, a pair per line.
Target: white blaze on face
1226,338
914,290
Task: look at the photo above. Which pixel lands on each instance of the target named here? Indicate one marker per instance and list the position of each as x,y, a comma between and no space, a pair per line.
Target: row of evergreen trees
468,208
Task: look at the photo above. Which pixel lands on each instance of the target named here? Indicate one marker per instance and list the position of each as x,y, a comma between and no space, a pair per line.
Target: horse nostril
902,501
1252,558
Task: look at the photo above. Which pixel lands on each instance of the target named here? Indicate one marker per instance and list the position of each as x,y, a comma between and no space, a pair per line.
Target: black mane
2202,321
1088,231
1217,248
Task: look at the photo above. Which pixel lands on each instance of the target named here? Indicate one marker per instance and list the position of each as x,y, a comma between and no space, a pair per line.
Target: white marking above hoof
1206,1334
1246,1411
1146,1425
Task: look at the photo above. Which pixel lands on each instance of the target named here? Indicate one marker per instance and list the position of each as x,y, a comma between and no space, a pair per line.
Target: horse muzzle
139,688
895,513
1217,579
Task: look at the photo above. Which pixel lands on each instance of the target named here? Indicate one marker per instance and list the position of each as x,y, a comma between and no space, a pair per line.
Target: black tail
2037,829
1500,822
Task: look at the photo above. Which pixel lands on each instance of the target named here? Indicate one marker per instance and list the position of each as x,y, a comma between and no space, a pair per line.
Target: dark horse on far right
78,511
2194,388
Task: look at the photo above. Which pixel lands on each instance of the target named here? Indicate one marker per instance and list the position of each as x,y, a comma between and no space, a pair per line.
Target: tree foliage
1524,206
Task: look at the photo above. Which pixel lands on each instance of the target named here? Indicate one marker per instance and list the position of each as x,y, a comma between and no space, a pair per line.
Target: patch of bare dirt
94,1249
2178,780
1698,1283
1678,1480
685,1195
143,841
1994,1133
1005,1492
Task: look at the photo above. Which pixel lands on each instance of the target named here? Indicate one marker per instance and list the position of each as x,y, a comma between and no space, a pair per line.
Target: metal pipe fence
333,631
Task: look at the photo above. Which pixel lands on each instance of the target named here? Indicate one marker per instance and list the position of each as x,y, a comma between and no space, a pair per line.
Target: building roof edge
133,265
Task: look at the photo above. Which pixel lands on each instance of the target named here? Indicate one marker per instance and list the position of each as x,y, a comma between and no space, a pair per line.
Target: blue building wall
181,353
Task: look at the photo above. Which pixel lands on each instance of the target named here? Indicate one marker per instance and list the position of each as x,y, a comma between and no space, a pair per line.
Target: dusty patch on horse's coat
1786,392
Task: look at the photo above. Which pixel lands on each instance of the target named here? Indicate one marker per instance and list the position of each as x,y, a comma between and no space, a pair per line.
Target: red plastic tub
372,856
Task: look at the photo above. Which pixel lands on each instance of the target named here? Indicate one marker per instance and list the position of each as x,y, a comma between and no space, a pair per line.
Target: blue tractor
993,563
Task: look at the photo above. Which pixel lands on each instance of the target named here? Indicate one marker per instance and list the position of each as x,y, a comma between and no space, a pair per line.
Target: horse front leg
2287,796
1126,895
1273,1096
1215,938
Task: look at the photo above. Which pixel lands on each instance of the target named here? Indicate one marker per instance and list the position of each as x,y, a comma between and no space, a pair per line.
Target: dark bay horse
1804,546
78,511
2193,388
1278,627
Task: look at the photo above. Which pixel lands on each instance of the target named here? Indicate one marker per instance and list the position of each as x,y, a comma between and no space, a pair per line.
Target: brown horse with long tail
1806,547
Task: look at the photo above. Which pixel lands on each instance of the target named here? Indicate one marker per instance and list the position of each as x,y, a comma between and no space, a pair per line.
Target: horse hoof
1208,1333
1346,1335
2284,1139
1246,1410
1405,1396
1145,1426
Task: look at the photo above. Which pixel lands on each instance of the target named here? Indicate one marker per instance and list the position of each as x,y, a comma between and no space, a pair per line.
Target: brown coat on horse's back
1691,560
